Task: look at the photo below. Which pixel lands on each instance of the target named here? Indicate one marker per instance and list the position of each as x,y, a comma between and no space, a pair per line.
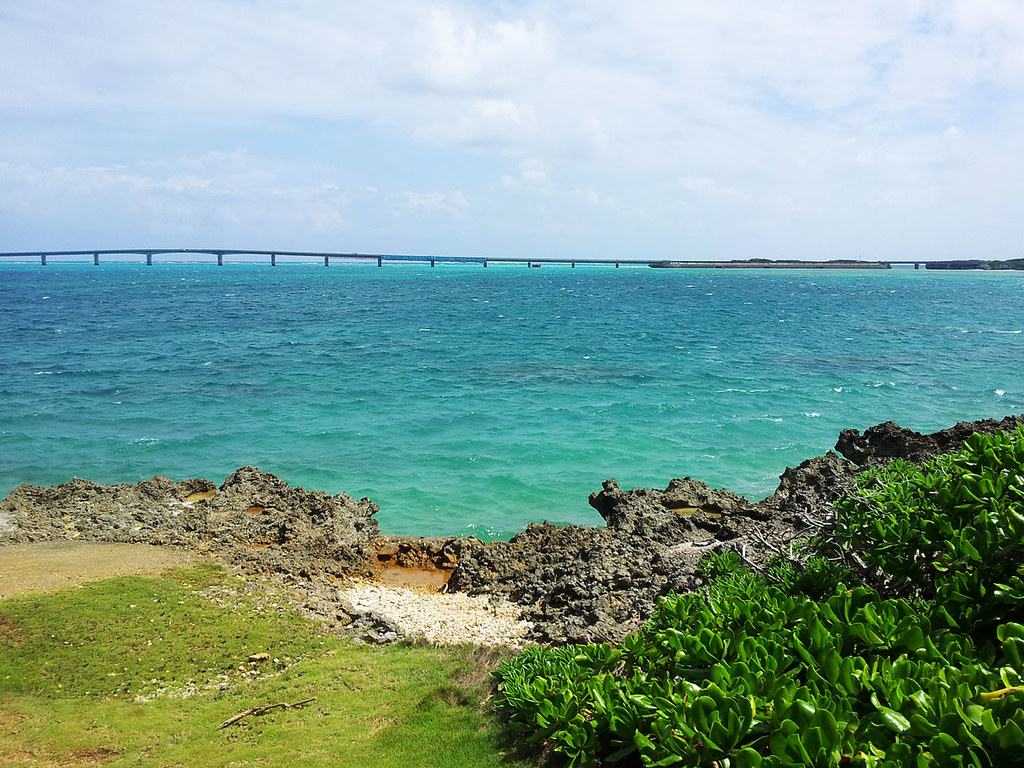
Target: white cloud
718,115
532,177
460,53
433,203
172,200
705,187
594,199
493,122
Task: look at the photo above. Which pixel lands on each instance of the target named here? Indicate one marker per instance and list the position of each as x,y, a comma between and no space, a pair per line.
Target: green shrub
951,530
799,670
775,680
815,576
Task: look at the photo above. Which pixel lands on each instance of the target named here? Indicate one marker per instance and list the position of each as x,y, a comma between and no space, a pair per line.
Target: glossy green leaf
747,758
893,720
1010,736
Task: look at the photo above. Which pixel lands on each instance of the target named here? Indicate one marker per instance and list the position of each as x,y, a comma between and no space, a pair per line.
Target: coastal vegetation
995,264
894,639
893,636
143,671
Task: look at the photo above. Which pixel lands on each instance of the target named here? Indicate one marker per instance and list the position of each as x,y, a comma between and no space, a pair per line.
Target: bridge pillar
273,259
380,261
616,265
485,263
149,259
42,259
916,265
529,264
327,261
431,262
573,263
95,259
220,259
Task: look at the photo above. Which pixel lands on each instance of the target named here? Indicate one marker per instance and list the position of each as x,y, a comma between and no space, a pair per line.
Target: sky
679,129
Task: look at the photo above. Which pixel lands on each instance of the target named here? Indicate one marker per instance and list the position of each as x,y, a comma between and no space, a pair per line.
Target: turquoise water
472,401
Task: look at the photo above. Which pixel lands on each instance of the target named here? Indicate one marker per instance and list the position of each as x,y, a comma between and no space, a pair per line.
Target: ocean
473,401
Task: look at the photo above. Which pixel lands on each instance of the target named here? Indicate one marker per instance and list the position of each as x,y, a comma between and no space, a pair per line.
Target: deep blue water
470,400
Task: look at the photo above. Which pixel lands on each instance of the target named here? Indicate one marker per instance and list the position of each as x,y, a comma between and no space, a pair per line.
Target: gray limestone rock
254,518
887,441
576,583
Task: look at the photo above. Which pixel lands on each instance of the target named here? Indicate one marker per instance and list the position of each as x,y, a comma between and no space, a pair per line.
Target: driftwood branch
785,551
261,710
751,564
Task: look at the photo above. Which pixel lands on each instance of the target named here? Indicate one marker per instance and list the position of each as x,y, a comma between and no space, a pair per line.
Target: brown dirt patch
8,636
9,756
91,756
432,579
83,756
49,566
10,720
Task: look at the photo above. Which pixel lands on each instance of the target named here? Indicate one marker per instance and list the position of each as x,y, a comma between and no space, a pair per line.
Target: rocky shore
548,583
254,520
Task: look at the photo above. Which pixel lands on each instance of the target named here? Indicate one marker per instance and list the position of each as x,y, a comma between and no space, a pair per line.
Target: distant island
838,264
977,264
772,264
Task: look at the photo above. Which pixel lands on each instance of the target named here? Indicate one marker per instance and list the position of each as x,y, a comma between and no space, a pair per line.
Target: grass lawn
95,675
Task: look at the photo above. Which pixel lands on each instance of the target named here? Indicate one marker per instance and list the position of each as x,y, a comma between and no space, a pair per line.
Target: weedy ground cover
140,671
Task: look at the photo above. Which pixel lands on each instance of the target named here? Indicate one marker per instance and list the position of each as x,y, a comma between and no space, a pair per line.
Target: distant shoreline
962,264
764,264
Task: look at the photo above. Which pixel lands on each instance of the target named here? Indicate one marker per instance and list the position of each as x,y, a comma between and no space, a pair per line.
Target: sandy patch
440,619
49,566
417,609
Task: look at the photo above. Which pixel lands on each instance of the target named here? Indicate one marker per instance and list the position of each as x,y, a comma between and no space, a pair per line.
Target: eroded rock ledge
574,583
579,584
254,520
887,441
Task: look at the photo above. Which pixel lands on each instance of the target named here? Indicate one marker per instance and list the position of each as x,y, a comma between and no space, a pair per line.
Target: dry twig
261,710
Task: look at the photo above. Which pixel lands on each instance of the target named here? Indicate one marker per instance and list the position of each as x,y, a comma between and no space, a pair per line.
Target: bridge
176,255
326,257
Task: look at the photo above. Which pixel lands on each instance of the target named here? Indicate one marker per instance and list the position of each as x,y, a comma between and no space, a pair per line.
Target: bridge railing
327,257
176,254
219,253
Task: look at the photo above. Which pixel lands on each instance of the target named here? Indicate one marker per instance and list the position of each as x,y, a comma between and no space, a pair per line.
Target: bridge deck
326,257
176,254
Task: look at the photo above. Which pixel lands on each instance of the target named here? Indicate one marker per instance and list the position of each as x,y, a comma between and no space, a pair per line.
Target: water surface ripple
472,401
